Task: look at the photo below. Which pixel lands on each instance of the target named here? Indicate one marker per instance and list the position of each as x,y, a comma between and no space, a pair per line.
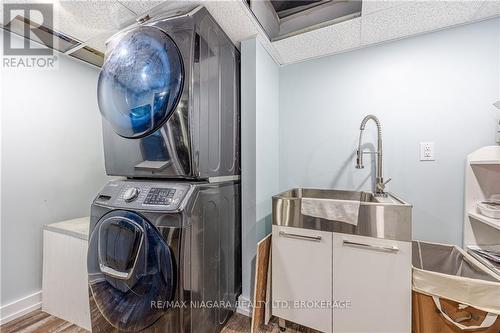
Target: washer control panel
144,195
159,196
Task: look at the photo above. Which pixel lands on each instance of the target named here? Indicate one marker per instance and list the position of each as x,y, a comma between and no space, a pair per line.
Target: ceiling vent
282,19
40,34
58,41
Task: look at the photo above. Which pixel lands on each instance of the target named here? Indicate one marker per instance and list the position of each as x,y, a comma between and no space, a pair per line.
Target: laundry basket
452,291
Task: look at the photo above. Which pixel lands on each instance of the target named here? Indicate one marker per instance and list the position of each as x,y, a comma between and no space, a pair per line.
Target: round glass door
140,82
130,268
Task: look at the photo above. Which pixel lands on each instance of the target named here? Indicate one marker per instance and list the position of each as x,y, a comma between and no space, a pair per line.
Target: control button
131,194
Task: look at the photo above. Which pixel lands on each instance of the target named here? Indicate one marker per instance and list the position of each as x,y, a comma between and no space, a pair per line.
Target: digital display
159,196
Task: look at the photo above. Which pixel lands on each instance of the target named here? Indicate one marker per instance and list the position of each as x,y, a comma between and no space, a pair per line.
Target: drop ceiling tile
415,17
157,8
336,38
141,7
88,19
1,15
237,21
234,19
371,6
153,8
12,2
99,43
487,10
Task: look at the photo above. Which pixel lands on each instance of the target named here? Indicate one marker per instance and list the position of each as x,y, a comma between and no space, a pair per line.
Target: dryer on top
169,95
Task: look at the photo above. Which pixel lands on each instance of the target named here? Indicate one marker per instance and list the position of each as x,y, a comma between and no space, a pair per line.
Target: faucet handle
380,188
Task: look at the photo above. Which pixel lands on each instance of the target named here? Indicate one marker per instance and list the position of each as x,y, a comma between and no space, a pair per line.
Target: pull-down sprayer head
359,153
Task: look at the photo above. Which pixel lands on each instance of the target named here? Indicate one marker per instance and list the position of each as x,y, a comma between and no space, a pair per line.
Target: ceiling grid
93,22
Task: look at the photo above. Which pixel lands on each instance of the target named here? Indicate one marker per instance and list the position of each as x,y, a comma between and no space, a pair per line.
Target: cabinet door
65,286
371,285
302,276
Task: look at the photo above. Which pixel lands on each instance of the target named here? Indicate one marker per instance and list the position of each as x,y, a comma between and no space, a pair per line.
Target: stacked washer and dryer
165,243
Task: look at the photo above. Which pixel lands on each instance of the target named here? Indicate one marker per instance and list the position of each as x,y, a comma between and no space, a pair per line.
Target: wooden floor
41,322
240,324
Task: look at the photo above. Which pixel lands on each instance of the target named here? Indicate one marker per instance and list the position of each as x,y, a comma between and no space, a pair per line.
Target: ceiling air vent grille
282,19
58,41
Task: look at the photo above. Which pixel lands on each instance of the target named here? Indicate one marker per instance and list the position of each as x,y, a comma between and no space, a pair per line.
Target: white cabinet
302,276
64,283
341,283
374,277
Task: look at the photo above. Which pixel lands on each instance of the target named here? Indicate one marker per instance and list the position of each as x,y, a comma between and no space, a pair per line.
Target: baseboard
244,306
20,307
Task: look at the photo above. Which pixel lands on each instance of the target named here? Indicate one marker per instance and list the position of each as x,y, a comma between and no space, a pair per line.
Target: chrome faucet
380,184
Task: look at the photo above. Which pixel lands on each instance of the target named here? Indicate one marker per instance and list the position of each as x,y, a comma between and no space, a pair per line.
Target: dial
131,194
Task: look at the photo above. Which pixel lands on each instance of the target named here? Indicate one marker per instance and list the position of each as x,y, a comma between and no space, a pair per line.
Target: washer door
131,271
140,82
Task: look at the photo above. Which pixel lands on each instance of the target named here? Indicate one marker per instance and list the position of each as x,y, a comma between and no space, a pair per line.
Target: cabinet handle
372,247
309,238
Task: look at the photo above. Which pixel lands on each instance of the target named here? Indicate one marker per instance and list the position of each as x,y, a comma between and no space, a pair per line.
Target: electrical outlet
427,151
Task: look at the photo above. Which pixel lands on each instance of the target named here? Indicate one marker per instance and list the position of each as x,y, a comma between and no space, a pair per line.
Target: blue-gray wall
260,154
52,162
436,87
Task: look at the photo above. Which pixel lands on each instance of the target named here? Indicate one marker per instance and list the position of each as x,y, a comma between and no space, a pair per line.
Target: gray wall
267,139
52,163
437,87
260,154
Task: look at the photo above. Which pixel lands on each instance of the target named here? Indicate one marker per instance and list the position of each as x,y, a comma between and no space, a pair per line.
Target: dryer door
140,82
131,271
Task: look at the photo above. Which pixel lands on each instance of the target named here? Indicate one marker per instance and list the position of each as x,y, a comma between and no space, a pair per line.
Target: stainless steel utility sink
381,217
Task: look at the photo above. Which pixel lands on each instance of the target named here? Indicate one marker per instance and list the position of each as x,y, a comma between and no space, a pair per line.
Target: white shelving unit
482,179
495,223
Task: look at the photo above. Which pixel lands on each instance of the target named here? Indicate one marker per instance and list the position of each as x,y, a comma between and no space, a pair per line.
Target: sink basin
381,217
339,195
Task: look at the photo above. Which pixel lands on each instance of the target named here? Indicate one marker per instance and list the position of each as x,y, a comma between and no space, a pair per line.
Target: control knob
131,194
